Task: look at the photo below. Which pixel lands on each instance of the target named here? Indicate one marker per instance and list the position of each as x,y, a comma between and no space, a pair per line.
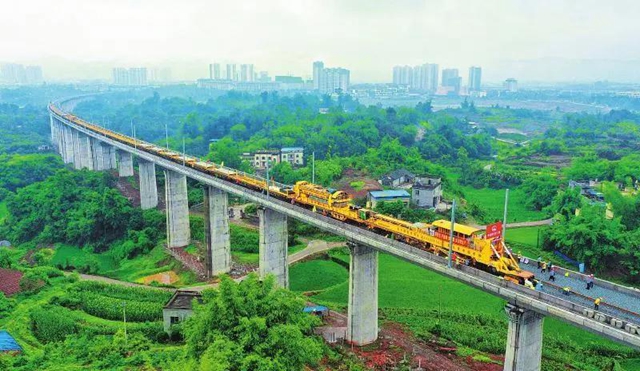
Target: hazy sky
526,39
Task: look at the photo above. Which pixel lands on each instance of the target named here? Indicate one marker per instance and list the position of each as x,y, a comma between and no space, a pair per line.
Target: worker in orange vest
596,303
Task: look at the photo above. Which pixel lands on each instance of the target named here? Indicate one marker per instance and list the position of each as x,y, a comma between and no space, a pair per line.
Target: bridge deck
550,302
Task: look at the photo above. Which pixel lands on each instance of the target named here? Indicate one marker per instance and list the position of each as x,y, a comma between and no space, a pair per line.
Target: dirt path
535,223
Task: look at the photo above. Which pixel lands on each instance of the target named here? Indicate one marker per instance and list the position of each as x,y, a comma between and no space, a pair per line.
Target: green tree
540,190
251,325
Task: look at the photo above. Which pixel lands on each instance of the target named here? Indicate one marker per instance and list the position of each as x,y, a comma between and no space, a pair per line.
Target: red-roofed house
10,281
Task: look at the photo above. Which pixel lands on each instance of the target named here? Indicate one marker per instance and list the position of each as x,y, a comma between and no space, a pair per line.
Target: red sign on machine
494,231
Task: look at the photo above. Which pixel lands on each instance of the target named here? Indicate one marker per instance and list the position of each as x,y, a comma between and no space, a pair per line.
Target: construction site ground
397,346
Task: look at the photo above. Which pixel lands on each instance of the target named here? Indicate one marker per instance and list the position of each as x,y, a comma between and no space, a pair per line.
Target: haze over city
532,41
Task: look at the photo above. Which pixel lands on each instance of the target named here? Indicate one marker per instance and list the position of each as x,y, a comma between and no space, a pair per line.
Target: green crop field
492,202
432,304
316,275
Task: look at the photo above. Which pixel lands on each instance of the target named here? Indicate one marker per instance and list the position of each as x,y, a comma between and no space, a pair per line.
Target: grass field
316,275
492,202
429,303
66,255
4,213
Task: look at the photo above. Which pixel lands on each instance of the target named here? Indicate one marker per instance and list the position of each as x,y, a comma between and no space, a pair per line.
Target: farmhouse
179,307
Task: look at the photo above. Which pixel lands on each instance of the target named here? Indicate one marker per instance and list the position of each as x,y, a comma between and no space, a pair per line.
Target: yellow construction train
469,244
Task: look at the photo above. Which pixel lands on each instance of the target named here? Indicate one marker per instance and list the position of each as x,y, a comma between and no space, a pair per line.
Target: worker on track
589,281
544,267
566,290
529,284
552,274
596,303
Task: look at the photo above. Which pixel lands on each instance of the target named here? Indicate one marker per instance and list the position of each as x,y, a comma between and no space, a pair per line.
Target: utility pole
135,141
268,159
313,167
124,315
184,153
166,134
504,219
453,223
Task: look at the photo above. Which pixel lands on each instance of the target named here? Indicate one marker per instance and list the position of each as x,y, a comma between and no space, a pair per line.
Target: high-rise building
33,75
130,77
13,73
246,72
317,73
120,76
232,74
451,79
214,71
423,77
475,76
138,76
511,85
403,75
432,77
264,76
330,80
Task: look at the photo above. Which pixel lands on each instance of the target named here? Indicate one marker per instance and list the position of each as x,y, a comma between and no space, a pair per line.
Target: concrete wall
182,314
148,185
178,231
362,313
524,340
125,164
273,246
217,236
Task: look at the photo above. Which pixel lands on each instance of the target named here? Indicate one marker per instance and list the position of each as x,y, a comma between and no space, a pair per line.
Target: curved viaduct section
89,146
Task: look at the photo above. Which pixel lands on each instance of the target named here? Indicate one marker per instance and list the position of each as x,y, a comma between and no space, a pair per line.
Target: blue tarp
317,308
8,343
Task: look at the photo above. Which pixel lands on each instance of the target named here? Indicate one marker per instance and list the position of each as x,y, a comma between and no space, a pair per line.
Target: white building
475,77
130,77
511,85
330,80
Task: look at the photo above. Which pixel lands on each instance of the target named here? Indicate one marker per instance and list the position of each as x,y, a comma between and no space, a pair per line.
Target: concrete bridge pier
110,157
86,152
125,164
217,237
362,313
274,246
177,203
77,156
68,147
98,155
524,339
148,185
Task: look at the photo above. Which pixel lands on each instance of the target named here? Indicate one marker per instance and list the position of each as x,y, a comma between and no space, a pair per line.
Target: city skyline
537,42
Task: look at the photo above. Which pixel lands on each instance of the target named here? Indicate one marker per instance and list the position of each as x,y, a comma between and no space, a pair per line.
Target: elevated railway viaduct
85,145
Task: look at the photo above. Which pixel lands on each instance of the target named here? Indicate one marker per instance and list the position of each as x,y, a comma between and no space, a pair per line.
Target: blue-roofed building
8,344
388,196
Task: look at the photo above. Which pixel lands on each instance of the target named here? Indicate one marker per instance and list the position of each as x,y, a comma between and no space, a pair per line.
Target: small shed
179,307
8,344
388,196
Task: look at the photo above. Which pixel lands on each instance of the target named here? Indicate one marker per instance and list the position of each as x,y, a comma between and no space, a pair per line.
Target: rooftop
8,343
389,193
10,281
183,299
459,228
292,149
